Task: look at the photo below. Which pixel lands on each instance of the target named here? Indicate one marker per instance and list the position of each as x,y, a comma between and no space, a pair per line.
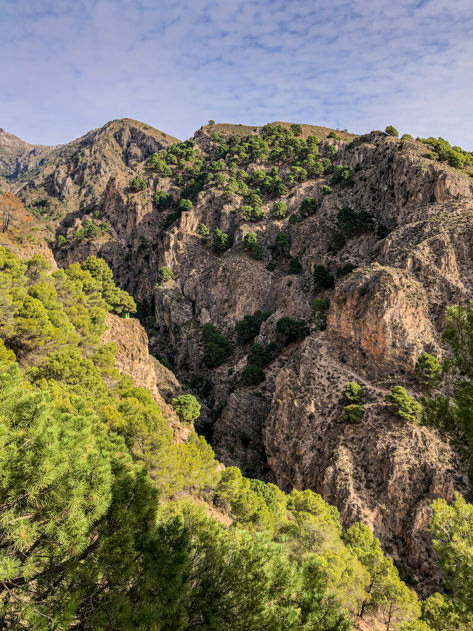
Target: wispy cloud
68,66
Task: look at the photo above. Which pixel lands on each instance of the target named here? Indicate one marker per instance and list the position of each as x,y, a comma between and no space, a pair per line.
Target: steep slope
382,273
73,176
18,157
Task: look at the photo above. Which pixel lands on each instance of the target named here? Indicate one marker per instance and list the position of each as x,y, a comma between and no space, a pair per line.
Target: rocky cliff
391,264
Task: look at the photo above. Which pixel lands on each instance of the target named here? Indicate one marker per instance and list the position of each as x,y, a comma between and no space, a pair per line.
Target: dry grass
307,130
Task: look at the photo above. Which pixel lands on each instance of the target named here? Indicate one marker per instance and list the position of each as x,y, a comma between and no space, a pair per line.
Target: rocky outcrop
18,157
22,233
133,359
383,471
379,316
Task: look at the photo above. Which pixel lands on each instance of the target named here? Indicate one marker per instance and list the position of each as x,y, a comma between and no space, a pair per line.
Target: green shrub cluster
187,407
280,210
403,405
342,175
289,330
165,274
138,184
443,151
309,207
352,222
204,232
428,370
162,200
391,131
320,307
248,328
221,241
322,278
217,347
253,246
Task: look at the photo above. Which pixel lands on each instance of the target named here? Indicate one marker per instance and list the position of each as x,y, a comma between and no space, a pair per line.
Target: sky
67,66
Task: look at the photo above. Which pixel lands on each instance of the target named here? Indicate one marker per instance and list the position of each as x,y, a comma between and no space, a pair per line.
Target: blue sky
67,66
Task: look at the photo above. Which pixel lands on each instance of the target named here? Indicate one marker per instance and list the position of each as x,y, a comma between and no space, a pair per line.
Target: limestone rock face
382,471
133,359
380,318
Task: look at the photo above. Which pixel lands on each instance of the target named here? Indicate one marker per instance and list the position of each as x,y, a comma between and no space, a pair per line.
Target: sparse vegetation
187,407
352,414
138,184
165,274
353,392
391,131
322,278
403,405
217,347
248,328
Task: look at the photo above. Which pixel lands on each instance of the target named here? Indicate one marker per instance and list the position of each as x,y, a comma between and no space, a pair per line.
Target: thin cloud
68,67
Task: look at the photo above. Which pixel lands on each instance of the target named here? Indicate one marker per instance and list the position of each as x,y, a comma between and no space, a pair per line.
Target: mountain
272,266
18,156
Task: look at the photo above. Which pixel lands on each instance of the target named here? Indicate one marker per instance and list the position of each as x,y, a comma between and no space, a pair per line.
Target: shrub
338,242
443,151
252,245
282,243
259,355
309,207
162,200
353,392
280,210
352,414
248,328
342,175
138,184
391,131
204,232
295,266
211,122
322,278
217,348
289,330
406,137
250,213
347,268
403,405
325,190
353,222
221,240
187,407
428,370
296,129
165,274
185,205
320,307
61,240
250,240
252,375
334,135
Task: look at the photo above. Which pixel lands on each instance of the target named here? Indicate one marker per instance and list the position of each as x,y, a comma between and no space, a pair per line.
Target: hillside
271,267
